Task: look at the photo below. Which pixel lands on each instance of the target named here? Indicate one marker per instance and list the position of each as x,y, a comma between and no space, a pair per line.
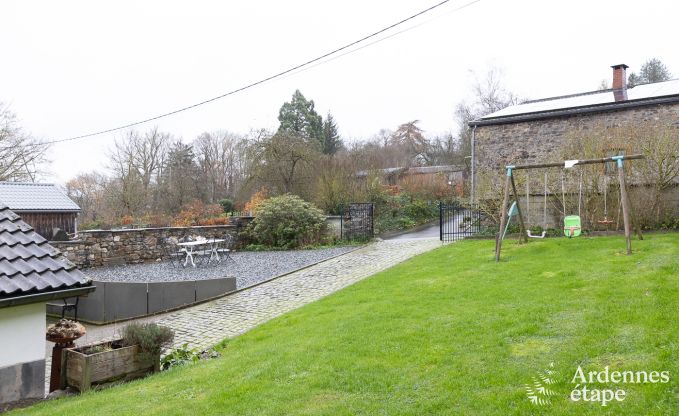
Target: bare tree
21,156
490,96
442,150
220,156
284,162
88,191
490,93
150,151
137,161
383,137
125,190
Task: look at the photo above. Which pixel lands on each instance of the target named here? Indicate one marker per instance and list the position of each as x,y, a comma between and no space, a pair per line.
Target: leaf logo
538,392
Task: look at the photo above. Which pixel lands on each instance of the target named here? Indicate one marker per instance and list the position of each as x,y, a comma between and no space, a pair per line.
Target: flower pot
86,367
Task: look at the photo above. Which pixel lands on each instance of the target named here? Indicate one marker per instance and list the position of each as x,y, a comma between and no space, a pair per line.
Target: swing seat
544,233
606,221
572,226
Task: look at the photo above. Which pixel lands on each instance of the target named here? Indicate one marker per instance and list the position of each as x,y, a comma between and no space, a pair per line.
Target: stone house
32,272
534,131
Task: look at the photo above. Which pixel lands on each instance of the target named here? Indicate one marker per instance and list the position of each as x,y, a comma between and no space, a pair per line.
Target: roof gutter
600,108
45,296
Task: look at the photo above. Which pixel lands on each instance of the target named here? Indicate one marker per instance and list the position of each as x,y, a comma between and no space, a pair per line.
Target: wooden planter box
82,371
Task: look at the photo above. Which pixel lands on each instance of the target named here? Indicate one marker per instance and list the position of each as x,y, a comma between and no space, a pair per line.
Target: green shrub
419,210
180,356
402,211
185,355
405,223
151,338
287,221
227,205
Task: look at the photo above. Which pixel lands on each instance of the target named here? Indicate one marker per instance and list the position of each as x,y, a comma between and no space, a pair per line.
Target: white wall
22,331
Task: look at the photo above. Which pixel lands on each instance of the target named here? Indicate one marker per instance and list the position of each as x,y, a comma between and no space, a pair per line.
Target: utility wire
332,58
272,77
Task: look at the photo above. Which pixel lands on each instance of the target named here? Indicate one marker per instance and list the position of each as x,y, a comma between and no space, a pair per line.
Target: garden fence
457,221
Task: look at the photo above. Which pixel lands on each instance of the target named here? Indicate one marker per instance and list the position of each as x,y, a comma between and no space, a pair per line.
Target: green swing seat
572,226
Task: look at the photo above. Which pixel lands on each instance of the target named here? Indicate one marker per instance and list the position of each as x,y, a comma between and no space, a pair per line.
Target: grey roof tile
8,215
29,264
12,239
26,251
24,196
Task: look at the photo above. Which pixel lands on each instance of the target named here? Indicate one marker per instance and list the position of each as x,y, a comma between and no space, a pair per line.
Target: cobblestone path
204,325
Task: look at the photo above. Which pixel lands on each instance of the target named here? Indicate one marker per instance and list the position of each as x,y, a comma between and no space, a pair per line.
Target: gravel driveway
248,267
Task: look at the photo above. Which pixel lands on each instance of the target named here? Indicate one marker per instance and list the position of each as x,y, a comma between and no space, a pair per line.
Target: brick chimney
620,82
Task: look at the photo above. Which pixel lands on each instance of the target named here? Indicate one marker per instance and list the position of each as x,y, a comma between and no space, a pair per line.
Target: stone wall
539,141
114,247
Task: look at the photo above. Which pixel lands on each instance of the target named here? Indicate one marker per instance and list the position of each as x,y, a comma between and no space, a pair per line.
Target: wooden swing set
524,233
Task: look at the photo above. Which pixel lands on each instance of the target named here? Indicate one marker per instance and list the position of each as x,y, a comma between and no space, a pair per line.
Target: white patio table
189,246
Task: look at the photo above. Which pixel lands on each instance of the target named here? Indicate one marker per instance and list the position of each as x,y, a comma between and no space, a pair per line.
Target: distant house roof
435,169
35,197
590,102
414,170
31,270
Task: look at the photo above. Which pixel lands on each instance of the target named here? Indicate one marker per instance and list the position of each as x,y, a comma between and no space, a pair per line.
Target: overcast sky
73,67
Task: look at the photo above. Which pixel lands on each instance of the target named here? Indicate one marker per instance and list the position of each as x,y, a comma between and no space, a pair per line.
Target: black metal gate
458,221
357,222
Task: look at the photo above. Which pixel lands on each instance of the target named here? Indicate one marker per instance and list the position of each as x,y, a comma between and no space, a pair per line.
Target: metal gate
458,221
357,221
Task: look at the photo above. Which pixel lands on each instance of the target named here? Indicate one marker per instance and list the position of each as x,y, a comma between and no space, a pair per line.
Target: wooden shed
42,205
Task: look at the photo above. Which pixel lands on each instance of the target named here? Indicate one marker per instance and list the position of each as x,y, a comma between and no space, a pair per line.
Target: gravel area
248,267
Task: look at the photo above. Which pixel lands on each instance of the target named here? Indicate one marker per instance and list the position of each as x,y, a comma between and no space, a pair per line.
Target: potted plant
62,334
135,355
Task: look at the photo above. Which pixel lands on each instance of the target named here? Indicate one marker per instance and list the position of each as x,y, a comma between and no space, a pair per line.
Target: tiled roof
24,196
594,101
28,264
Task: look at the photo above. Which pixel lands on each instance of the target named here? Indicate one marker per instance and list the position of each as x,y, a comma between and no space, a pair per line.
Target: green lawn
449,332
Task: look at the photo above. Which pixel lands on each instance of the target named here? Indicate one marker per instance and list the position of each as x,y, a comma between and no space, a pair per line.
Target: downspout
472,196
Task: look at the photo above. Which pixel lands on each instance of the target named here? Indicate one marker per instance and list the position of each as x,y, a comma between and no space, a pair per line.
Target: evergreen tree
633,79
299,117
652,71
180,177
331,139
411,137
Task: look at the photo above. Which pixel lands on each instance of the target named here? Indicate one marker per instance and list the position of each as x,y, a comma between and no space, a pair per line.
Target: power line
272,77
379,40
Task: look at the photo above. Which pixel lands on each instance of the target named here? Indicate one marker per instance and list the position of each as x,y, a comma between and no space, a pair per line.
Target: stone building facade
536,131
539,141
545,130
